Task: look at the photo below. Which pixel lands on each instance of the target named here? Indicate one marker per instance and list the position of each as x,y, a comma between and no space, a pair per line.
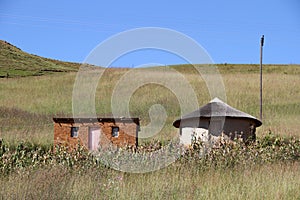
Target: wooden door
94,138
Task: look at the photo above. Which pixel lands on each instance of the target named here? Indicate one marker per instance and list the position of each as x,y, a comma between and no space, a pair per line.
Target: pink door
94,138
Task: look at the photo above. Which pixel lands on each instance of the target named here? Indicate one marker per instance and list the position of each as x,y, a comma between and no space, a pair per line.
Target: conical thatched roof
217,108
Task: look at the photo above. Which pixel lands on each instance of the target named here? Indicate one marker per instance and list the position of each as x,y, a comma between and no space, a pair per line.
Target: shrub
268,149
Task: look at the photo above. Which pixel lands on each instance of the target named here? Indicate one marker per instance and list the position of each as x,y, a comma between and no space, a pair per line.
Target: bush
227,154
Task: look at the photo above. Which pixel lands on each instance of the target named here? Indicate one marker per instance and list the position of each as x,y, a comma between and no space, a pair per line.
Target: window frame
115,133
74,131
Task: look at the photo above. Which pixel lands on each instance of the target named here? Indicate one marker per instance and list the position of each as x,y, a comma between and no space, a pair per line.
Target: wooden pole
261,85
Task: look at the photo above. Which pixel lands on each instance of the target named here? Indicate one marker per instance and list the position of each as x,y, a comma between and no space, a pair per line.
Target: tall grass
34,173
278,181
270,170
31,170
51,95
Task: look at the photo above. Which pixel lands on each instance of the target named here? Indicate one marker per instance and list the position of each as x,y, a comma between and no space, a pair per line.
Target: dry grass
28,104
190,183
276,181
52,95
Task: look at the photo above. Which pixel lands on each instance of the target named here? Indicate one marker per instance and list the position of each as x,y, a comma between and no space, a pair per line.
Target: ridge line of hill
16,63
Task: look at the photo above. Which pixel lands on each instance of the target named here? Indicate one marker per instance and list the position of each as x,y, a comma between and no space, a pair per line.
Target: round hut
215,119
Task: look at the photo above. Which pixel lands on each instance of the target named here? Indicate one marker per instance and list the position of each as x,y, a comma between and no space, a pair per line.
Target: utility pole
261,57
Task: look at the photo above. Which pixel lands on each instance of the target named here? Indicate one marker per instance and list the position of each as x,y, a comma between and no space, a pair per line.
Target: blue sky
229,30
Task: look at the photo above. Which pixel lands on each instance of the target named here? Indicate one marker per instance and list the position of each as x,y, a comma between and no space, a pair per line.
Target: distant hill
16,63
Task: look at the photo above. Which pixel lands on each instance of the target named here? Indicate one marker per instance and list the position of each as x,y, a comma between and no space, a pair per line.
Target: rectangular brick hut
95,132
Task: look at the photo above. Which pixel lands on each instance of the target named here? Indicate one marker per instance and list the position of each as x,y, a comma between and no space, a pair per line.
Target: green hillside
16,63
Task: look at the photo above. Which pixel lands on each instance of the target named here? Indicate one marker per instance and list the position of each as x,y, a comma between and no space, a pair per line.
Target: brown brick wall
127,134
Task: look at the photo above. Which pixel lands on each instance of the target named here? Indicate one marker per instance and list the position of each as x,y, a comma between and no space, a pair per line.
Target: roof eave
98,119
177,122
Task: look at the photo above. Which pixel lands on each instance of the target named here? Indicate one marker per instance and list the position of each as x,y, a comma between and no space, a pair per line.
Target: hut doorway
94,138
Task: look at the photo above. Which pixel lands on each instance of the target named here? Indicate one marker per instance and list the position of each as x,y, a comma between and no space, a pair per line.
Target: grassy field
276,181
28,102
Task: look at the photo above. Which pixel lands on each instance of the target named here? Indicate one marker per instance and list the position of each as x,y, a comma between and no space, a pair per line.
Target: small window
74,131
115,131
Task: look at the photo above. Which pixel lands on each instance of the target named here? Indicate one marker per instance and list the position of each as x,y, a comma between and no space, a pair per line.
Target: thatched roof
217,108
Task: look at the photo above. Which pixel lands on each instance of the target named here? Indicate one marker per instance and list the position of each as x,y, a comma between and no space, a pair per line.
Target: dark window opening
74,131
115,131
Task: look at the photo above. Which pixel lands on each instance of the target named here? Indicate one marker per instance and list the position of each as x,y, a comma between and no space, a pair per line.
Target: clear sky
229,30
